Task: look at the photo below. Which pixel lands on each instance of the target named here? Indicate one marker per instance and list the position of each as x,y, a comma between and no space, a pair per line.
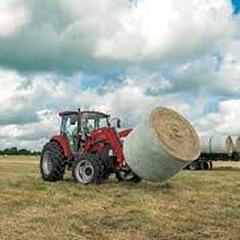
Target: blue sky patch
236,6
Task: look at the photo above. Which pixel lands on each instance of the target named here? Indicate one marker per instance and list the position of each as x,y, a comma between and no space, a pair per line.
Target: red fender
63,142
124,133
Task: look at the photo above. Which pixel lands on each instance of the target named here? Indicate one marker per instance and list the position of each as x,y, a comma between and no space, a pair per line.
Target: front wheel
87,169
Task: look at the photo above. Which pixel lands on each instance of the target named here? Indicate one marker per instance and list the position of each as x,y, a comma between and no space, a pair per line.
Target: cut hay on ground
193,205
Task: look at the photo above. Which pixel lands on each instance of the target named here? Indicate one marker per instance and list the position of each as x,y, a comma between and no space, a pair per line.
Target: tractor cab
91,121
77,126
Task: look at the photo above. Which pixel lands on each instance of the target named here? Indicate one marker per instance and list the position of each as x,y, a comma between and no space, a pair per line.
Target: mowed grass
192,205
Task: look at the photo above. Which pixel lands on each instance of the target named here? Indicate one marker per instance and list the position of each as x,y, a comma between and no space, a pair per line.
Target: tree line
16,151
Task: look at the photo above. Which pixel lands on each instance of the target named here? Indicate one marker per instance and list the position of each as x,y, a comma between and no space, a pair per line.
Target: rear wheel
52,165
88,169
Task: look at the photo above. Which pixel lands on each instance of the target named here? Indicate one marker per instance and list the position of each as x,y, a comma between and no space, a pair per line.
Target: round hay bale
161,145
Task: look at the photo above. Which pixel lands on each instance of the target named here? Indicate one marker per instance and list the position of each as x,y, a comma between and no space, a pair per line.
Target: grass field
192,205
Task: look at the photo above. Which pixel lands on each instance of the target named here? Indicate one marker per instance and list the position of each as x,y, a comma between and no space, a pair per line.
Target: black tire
128,176
52,165
195,165
88,169
210,165
235,156
204,165
187,167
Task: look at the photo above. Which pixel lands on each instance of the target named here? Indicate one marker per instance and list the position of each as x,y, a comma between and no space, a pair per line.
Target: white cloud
224,121
79,34
216,75
175,53
168,29
30,135
10,81
228,76
13,16
43,97
47,123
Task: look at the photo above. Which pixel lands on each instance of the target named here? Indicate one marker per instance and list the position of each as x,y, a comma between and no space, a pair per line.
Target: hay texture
161,145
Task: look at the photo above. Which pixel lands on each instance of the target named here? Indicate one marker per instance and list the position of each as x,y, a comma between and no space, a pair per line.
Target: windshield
89,123
94,121
69,123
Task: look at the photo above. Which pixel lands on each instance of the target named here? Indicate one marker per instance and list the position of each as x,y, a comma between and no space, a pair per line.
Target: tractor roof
64,113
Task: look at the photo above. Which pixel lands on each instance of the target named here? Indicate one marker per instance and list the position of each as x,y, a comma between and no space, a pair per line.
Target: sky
118,56
236,5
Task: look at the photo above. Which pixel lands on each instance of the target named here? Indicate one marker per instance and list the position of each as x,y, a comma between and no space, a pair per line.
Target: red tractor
88,146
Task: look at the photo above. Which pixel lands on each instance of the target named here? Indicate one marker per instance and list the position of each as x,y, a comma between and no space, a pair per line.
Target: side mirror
118,123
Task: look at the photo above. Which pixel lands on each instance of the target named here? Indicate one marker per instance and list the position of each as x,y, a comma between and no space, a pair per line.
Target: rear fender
63,142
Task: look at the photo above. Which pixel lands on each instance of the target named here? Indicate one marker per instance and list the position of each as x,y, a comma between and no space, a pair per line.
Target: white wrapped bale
234,141
230,146
221,144
217,144
161,145
205,144
237,145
